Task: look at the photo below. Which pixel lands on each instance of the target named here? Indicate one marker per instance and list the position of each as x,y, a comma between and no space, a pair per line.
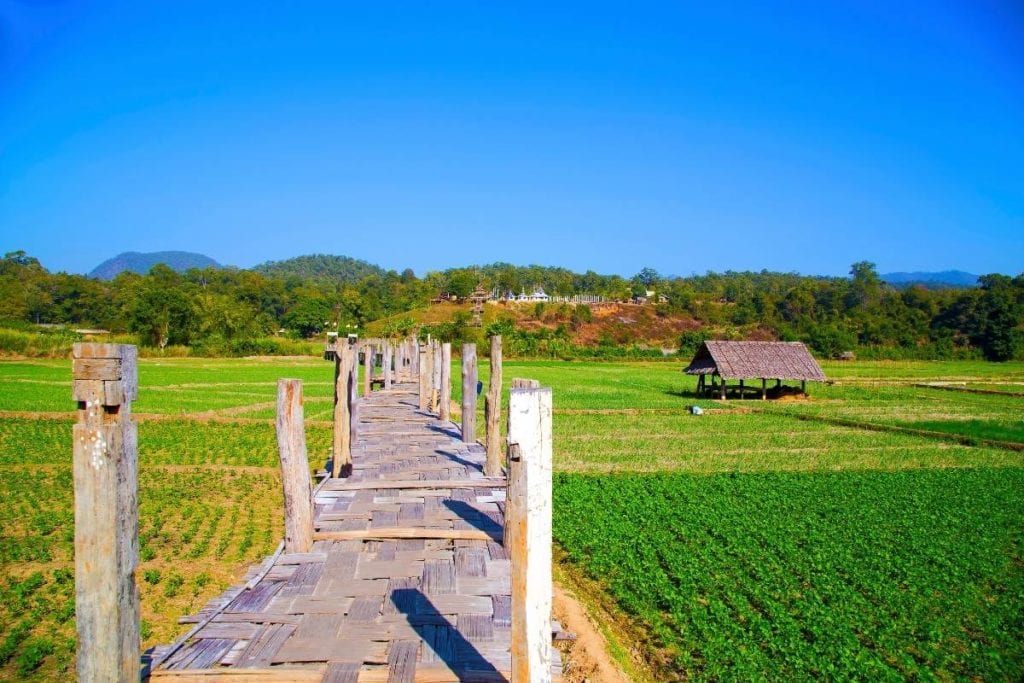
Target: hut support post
741,389
105,464
528,533
468,393
341,463
764,388
446,382
803,386
492,411
721,388
298,489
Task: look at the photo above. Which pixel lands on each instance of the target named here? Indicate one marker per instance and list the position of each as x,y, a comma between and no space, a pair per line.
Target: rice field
210,499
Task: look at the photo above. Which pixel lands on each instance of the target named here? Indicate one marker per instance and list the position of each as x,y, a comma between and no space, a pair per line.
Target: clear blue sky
796,136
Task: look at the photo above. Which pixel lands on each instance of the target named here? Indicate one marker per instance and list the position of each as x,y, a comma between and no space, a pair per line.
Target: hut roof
754,360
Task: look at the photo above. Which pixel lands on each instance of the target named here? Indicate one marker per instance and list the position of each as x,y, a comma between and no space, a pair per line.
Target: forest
227,311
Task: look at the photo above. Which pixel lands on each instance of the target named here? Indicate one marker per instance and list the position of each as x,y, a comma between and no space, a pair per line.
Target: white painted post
446,382
105,464
298,488
528,533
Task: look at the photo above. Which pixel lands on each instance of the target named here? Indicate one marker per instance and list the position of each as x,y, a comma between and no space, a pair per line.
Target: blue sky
790,136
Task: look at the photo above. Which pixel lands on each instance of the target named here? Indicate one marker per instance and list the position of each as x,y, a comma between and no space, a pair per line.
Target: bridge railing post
341,465
468,393
492,412
367,368
388,377
423,375
435,377
446,382
298,488
105,464
528,532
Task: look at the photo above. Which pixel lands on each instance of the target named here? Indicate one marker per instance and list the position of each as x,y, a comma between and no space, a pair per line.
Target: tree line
300,297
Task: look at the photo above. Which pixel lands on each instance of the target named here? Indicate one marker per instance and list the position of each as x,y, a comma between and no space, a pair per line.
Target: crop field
759,540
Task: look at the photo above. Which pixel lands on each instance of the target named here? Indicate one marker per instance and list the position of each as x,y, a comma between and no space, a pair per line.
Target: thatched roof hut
743,360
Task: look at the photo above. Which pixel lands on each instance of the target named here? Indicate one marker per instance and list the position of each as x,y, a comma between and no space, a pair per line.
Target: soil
586,659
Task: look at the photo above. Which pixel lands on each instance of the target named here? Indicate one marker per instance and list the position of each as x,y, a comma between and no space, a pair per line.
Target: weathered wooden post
416,357
298,489
105,382
423,375
764,389
342,461
367,368
435,377
353,392
446,382
528,532
492,412
387,366
468,393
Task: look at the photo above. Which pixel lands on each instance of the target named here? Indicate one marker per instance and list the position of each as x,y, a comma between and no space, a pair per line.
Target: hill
137,262
321,267
946,278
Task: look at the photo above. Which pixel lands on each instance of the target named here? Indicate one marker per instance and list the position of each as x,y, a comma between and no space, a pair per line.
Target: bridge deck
407,580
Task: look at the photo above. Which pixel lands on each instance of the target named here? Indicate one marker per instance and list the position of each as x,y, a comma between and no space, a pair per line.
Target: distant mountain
136,262
322,267
946,278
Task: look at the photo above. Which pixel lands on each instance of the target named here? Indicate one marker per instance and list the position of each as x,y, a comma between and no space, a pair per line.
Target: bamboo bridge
421,554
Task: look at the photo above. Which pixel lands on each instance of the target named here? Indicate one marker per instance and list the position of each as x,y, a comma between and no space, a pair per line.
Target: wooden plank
528,525
407,532
492,412
298,489
402,661
105,467
276,674
468,393
480,483
342,672
437,674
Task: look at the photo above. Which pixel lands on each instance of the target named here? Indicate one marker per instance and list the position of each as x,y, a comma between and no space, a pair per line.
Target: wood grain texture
298,489
105,468
528,529
468,393
492,412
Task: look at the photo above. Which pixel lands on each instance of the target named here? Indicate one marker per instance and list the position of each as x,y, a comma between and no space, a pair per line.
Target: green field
798,539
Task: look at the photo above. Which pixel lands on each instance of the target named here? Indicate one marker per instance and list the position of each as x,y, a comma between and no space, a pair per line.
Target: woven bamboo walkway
407,580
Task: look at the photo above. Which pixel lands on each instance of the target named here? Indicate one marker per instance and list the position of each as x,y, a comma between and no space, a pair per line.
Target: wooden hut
739,361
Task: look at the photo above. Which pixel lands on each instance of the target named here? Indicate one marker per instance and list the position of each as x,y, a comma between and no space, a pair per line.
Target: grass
210,498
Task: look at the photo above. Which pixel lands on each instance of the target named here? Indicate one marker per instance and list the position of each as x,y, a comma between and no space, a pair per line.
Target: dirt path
586,659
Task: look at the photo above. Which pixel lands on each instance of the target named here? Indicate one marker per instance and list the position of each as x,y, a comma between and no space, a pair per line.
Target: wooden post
416,357
468,393
105,447
353,392
764,389
803,386
435,377
741,390
446,382
387,366
342,460
424,377
722,388
298,489
528,532
492,412
367,368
